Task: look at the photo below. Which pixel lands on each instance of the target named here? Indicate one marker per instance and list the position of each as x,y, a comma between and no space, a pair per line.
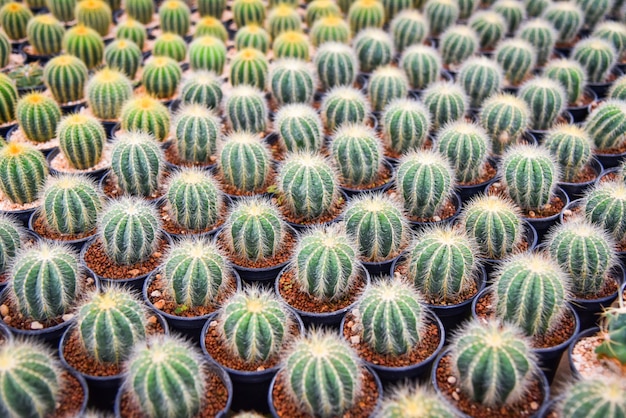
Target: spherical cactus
571,75
170,45
425,182
246,109
8,99
299,127
45,34
322,354
594,10
106,92
344,105
210,26
249,66
62,9
336,64
203,88
614,345
292,81
66,77
467,146
5,50
161,77
422,65
252,36
110,323
493,363
140,10
494,223
457,44
357,152
38,116
14,19
366,14
124,56
409,27
248,12
283,18
597,57
244,162
606,125
505,118
567,18
596,397
615,34
513,12
133,31
211,8
207,53
137,161
308,185
146,114
81,139
618,90
414,402
11,234
517,59
319,9
329,29
86,44
605,205
535,8
541,34
23,171
546,100
197,131
490,27
446,102
572,147
467,8
374,48
405,125
385,85
441,14
129,229
291,44
95,14
480,78
175,16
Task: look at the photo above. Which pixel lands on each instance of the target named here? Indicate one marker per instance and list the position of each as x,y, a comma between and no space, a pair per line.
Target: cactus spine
446,102
146,114
480,78
336,64
299,127
106,92
406,124
594,398
546,100
246,109
505,118
467,147
66,77
414,402
124,56
137,161
572,148
343,105
161,77
23,171
203,88
38,116
292,81
85,44
374,48
606,124
196,134
194,200
385,85
45,34
541,34
358,154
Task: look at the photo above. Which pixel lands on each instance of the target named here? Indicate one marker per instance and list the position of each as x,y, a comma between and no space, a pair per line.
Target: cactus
38,116
422,65
246,109
5,50
571,75
123,56
618,90
614,344
129,229
329,29
441,14
517,59
596,397
495,224
197,131
336,64
299,128
14,19
170,45
535,8
457,44
467,8
467,146
308,185
11,234
387,84
110,323
513,12
23,171
95,14
248,12
45,34
207,53
106,92
319,9
70,204
62,9
374,48
490,27
409,27
414,402
86,44
211,8
252,36
405,125
203,88
425,182
175,17
140,10
572,147
566,18
210,26
322,354
283,18
541,34
146,114
546,100
137,161
66,76
505,118
357,152
594,10
615,34
606,125
194,200
394,7
365,14
81,139
480,78
446,102
377,224
291,44
249,66
161,77
344,105
605,205
597,57
244,162
32,380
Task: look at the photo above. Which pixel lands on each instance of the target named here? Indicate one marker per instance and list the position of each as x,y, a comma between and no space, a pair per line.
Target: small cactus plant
85,44
161,77
146,114
175,16
62,9
299,127
5,51
567,18
614,345
441,14
446,102
408,27
95,14
596,397
366,14
124,56
66,76
467,8
38,116
513,12
615,34
414,402
106,92
252,36
535,8
170,45
490,27
573,149
246,109
406,124
212,8
244,162
457,44
387,84
343,105
283,18
480,78
291,44
292,81
329,29
45,34
319,9
517,58
546,100
132,30
541,34
10,241
81,139
23,171
14,18
505,118
203,88
197,132
422,65
594,10
467,146
374,48
137,162
210,26
571,75
597,57
605,205
357,152
248,12
140,10
606,124
249,66
618,89
207,53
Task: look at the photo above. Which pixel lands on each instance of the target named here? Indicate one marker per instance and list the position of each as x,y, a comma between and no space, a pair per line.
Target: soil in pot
448,210
335,210
555,206
171,156
58,162
173,228
71,398
585,361
282,256
230,190
40,227
17,135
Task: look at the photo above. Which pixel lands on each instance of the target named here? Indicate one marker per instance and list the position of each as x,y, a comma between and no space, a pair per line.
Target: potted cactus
573,77
386,84
86,44
175,17
37,117
14,18
480,78
593,397
246,109
65,77
506,119
446,103
146,114
106,92
541,34
614,33
299,128
172,46
598,57
13,237
546,100
517,57
374,48
618,90
9,93
336,65
490,26
405,124
202,88
45,36
605,125
441,14
567,19
422,66
457,44
161,78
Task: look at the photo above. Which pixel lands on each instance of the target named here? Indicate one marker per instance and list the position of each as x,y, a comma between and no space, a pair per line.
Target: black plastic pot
542,225
30,89
93,174
539,134
456,200
350,192
601,89
376,269
532,238
21,216
5,332
570,351
580,113
547,408
467,192
609,160
577,190
30,58
76,244
5,129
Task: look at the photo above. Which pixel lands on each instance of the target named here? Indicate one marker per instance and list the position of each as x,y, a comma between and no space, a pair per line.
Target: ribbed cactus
467,146
32,379
95,14
329,29
124,56
490,28
85,44
175,16
322,354
597,57
244,162
194,200
567,18
606,124
342,105
249,66
409,27
618,89
387,84
45,34
517,58
283,18
140,10
374,48
318,9
405,125
10,240
207,53
493,362
137,161
246,109
513,12
467,8
573,149
213,8
252,36
14,19
133,31
248,12
615,34
425,182
196,131
377,224
441,14
291,44
107,91
366,14
5,50
336,64
166,377
110,323
614,344
81,139
530,290
571,75
38,116
299,127
62,9
170,45
161,77
535,8
392,316
129,229
480,78
70,204
596,397
446,102
203,88
292,81
66,76
605,205
357,153
505,118
210,26
594,10
414,402
422,65
308,185
457,44
546,99
23,171
541,34
146,114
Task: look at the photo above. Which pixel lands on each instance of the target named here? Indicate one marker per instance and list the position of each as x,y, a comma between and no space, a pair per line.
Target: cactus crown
594,398
572,147
414,402
605,205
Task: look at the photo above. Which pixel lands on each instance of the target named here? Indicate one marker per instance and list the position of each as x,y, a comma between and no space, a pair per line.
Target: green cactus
292,81
244,162
207,53
505,118
23,171
248,12
425,182
140,10
467,8
11,234
124,56
605,205
365,14
594,10
606,124
409,27
336,64
291,44
374,48
66,76
62,9
81,139
170,45
358,154
213,8
457,44
490,27
203,88
597,57
283,18
446,102
45,34
249,66
513,12
14,18
467,146
618,90
517,58
95,14
395,7
387,84
571,75
441,14
5,50
161,77
614,344
319,9
573,149
329,29
106,92
210,26
541,34
86,44
615,34
567,18
197,131
595,397
175,17
137,161
8,99
480,78
343,105
546,99
38,116
414,402
252,36
246,109
422,65
535,8
146,114
299,127
405,125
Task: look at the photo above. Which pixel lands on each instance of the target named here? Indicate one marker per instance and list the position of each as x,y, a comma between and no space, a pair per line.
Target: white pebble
36,325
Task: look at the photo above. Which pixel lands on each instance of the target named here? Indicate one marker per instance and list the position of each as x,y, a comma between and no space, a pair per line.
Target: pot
577,190
93,174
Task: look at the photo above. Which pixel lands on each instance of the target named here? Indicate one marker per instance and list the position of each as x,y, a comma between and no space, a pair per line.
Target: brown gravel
282,256
171,156
384,176
446,212
611,286
100,263
112,190
41,228
229,189
388,152
334,212
71,397
555,206
173,228
587,363
586,175
608,177
489,172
